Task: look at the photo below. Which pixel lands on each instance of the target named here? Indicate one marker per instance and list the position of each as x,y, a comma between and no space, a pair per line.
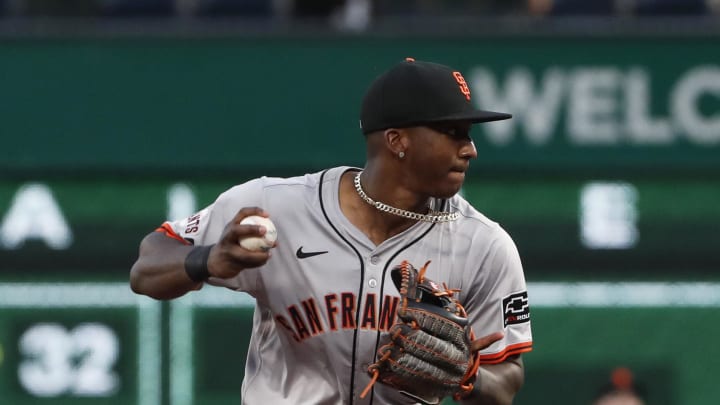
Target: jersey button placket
372,280
367,341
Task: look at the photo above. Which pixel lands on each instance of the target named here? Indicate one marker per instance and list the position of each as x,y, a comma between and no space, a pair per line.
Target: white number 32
78,362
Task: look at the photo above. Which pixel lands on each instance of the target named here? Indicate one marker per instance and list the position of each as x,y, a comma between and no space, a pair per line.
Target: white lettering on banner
684,99
608,215
641,127
537,109
181,201
34,214
79,362
603,106
593,107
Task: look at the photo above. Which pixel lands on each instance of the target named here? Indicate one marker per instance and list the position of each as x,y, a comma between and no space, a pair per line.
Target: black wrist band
196,263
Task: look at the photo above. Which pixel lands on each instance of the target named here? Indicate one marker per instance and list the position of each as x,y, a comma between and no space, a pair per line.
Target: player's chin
450,187
455,179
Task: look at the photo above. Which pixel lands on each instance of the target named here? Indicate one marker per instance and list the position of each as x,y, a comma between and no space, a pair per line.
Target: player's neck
392,190
377,225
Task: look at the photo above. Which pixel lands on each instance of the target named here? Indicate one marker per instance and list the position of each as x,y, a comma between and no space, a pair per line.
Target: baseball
259,243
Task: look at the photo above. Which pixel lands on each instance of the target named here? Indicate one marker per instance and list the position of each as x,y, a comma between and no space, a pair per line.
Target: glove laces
466,385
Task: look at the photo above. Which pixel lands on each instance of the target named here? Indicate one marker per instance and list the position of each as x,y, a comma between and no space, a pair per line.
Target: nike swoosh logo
304,255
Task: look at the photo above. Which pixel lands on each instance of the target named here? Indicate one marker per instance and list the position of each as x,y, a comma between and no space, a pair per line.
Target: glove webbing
466,385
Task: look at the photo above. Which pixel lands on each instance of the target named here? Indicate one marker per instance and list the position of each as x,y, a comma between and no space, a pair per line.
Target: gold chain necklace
434,216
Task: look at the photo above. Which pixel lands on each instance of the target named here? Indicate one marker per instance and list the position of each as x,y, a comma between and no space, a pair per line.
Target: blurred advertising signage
34,214
600,105
571,223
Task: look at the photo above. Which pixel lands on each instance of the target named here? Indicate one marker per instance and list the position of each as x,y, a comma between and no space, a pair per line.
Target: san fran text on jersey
340,311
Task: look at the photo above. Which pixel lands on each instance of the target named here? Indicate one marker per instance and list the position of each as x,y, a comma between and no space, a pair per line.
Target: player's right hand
485,341
227,257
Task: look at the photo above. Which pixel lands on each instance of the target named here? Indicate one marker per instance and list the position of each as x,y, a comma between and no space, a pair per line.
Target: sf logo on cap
464,89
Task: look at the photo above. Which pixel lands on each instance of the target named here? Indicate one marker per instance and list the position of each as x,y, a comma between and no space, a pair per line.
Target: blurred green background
608,179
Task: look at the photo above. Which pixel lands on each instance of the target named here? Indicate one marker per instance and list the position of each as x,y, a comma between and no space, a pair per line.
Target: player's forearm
497,384
159,271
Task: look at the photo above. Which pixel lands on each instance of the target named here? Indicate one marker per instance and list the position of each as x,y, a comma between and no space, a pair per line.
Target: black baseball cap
414,93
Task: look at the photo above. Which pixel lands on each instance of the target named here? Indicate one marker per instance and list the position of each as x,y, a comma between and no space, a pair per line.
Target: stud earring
401,154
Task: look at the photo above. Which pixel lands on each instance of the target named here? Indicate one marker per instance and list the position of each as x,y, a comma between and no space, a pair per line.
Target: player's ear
396,140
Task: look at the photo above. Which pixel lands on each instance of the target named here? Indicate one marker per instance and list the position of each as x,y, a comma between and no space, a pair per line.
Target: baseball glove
428,355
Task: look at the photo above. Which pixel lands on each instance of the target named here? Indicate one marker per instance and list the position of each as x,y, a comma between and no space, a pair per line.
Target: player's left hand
430,354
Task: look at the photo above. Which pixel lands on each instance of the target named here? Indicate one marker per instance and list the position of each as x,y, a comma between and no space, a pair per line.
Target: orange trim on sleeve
170,233
511,350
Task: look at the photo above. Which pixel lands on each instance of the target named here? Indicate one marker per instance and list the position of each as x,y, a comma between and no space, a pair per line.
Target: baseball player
622,389
325,300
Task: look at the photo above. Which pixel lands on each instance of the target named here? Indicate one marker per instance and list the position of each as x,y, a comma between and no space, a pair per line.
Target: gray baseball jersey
326,296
